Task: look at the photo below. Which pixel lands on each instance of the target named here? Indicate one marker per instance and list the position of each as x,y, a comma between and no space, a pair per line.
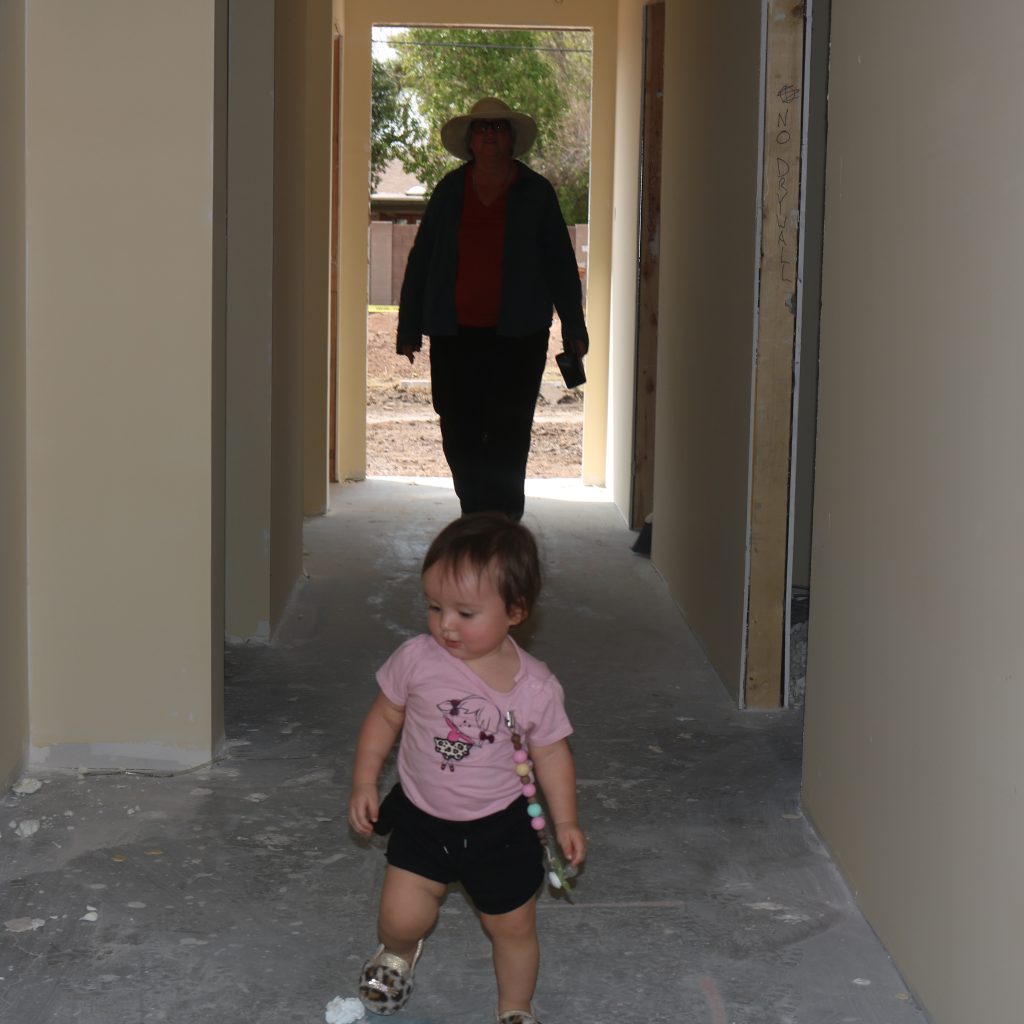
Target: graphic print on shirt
470,721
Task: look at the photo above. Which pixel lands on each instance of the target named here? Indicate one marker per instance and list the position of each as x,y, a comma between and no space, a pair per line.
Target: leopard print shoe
385,982
517,1017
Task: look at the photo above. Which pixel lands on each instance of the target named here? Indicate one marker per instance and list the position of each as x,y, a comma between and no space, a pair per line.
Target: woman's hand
577,346
363,807
408,351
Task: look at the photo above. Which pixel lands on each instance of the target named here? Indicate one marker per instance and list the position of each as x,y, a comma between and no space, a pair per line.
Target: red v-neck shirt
481,244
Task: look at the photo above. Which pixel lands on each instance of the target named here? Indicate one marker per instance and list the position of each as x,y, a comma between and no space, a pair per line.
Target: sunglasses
479,127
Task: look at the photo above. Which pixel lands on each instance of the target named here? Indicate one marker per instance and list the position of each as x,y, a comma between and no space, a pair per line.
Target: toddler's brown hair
490,542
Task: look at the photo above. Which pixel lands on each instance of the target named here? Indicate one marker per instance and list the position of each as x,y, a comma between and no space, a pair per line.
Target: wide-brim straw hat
455,131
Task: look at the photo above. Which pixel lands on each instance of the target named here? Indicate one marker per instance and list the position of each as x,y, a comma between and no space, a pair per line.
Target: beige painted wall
123,381
13,622
709,223
360,15
301,254
316,68
623,291
914,692
810,302
250,270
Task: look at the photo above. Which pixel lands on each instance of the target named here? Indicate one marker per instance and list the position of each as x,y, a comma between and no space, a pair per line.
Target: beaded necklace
559,873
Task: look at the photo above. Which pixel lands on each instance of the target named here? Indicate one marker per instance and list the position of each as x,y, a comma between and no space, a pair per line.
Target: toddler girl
457,814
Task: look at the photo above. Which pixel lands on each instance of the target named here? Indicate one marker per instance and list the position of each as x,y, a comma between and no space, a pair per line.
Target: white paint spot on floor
200,791
861,981
27,786
24,924
26,828
256,798
344,1011
766,906
792,918
136,905
193,942
90,916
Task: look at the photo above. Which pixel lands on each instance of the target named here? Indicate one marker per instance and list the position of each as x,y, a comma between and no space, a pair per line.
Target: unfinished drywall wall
13,538
708,256
360,16
914,691
123,380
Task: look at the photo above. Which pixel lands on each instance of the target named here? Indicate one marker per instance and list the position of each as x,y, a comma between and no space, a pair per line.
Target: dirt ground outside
402,433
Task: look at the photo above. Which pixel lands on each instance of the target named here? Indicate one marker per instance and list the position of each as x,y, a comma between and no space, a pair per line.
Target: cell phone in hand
571,367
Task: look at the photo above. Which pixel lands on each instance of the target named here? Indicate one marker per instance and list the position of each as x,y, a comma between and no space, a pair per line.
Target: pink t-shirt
455,755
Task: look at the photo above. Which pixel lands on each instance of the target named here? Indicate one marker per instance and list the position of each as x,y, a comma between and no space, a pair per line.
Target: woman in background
491,261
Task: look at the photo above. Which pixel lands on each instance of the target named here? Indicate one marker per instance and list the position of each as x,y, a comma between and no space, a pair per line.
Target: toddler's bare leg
408,910
516,954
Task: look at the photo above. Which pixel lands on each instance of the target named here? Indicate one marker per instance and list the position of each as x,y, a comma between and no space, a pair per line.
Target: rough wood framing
776,339
642,499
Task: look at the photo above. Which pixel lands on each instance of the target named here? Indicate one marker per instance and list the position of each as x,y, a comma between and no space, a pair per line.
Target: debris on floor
344,1011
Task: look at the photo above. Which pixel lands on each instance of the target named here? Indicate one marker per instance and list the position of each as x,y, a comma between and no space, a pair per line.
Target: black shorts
498,859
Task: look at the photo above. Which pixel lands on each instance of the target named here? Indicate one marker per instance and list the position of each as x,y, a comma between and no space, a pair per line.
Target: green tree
391,121
442,72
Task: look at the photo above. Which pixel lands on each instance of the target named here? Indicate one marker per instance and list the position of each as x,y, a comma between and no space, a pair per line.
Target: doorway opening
422,76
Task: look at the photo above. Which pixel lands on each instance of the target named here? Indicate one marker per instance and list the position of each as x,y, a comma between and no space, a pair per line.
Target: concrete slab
236,895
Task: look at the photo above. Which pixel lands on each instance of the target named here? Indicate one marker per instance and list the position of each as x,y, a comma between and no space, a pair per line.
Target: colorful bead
522,770
520,757
534,810
538,823
529,789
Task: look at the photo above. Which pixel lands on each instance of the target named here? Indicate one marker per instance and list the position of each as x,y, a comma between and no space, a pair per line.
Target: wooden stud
645,389
776,340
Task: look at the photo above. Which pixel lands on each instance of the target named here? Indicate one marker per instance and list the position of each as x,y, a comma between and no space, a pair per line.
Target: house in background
399,197
396,209
165,374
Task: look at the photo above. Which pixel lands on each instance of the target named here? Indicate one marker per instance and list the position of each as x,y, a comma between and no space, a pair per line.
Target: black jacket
538,269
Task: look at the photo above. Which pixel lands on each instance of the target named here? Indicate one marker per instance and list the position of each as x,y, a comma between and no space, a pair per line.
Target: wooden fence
389,250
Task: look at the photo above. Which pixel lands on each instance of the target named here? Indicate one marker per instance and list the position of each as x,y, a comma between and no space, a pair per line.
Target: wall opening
422,76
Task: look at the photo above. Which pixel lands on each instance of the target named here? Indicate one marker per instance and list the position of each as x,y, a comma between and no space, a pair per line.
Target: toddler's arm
377,736
556,773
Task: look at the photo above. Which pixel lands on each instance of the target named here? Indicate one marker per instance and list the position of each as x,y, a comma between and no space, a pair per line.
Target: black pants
485,390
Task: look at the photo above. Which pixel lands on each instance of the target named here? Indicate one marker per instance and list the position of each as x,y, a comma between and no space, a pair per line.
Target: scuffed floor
235,894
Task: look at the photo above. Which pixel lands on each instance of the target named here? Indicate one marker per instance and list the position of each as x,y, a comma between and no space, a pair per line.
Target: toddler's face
465,613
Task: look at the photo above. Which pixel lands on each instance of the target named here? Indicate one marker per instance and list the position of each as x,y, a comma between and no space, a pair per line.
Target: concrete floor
235,894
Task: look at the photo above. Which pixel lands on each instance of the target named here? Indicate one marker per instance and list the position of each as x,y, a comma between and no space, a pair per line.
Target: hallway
235,894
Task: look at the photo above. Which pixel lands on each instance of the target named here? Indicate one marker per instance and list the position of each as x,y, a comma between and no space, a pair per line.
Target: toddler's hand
363,805
572,841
